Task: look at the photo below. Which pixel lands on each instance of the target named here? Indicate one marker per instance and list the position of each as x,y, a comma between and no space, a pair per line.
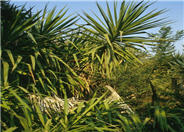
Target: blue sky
175,11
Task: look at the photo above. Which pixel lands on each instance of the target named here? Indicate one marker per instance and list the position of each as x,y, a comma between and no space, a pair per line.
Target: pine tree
163,55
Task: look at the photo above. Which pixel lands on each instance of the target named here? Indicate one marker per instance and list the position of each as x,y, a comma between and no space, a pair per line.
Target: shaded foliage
43,54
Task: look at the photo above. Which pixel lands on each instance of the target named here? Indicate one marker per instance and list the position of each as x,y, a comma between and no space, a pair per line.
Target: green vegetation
48,54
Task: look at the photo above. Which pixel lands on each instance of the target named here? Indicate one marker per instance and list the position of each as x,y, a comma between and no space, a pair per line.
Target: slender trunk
154,93
181,85
175,86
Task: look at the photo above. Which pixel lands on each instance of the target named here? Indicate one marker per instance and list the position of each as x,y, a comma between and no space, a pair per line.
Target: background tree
154,77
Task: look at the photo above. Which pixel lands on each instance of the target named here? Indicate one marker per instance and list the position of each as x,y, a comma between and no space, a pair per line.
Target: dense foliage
50,54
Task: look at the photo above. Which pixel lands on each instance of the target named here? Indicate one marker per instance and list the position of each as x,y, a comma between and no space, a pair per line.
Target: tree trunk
154,93
175,86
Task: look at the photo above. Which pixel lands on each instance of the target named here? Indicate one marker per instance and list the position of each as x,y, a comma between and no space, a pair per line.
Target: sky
175,10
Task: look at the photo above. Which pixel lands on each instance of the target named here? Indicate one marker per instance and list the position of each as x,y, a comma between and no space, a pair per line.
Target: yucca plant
45,63
132,123
119,29
15,23
165,120
94,115
42,56
24,117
